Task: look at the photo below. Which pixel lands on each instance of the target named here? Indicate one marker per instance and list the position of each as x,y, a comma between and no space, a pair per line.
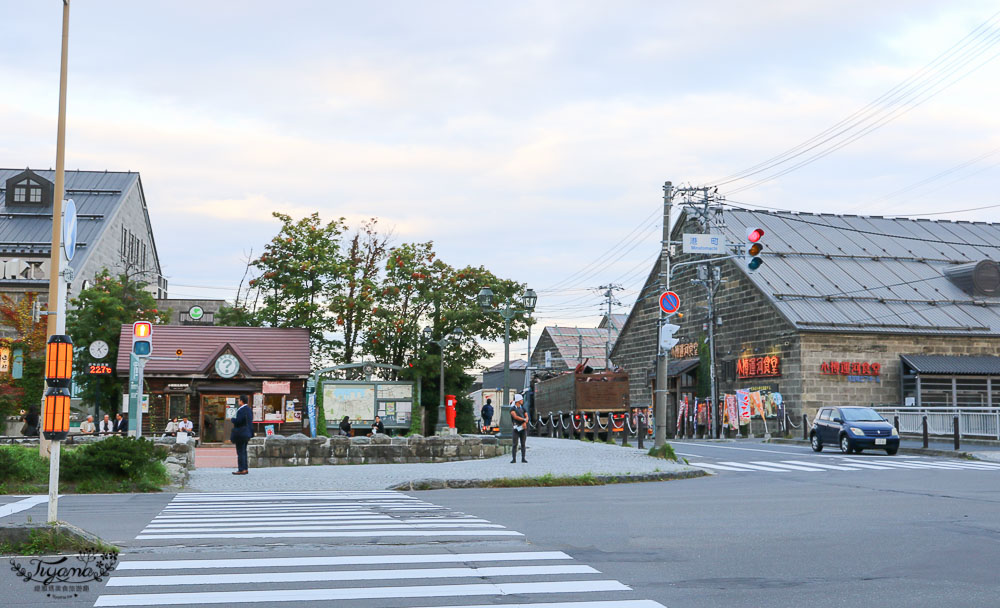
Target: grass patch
53,540
113,465
544,481
665,451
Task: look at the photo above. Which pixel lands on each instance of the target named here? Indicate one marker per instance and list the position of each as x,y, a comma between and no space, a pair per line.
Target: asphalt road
778,526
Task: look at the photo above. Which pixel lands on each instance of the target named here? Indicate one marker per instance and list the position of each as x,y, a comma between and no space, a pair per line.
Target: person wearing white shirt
172,427
186,425
87,426
107,427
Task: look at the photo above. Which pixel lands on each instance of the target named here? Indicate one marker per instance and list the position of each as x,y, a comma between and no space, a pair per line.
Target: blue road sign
670,302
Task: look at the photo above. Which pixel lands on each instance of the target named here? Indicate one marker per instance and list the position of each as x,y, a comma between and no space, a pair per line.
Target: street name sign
714,244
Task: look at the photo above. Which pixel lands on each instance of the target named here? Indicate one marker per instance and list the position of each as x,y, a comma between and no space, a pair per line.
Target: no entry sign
669,302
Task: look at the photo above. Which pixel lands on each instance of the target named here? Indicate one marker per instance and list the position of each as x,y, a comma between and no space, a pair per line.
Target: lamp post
508,311
455,334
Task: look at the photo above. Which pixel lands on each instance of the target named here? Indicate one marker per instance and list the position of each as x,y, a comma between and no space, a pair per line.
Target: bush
666,451
118,458
22,463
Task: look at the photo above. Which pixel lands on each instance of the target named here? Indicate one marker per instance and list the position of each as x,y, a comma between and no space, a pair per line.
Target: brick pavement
560,457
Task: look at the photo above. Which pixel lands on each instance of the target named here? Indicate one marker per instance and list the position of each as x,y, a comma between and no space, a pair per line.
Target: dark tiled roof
263,351
679,366
871,274
943,364
516,364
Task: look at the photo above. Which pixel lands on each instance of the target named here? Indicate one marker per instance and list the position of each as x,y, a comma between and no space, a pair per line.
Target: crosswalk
381,549
847,463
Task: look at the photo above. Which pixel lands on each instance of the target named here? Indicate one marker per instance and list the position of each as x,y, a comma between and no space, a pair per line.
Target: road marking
351,534
22,505
794,467
277,528
346,575
344,560
356,593
731,447
822,466
265,518
755,467
718,466
866,465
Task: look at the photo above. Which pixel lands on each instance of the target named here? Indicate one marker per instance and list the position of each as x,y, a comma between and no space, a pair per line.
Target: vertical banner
312,413
682,409
743,402
731,412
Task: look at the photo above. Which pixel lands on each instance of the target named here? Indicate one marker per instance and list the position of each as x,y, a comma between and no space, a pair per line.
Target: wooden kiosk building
216,366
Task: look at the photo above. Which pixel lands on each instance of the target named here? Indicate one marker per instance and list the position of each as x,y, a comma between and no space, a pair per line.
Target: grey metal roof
870,274
568,339
944,364
97,194
515,364
676,367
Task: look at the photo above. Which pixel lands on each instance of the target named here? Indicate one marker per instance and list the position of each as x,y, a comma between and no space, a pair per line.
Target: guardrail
977,422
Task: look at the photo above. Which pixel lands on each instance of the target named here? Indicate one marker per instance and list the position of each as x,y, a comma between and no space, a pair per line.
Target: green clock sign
196,313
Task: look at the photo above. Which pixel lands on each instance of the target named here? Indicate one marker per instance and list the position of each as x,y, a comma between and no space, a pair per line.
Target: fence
979,422
626,425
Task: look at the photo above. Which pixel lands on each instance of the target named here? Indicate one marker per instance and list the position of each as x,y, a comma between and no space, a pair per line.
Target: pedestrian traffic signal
667,339
142,338
754,249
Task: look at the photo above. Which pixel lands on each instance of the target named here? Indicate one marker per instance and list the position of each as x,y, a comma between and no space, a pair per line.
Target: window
124,251
178,406
825,414
19,194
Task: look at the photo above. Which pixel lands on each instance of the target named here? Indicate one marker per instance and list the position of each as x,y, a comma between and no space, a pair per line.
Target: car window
861,414
824,415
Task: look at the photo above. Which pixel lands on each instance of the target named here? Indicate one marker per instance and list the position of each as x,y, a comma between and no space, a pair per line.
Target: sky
532,138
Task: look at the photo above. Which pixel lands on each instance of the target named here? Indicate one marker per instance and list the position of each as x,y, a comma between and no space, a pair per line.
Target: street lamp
455,334
528,300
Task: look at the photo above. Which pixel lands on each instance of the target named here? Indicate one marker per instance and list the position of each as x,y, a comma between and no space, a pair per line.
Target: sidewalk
556,457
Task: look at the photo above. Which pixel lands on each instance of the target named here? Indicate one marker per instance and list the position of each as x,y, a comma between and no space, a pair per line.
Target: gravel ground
560,457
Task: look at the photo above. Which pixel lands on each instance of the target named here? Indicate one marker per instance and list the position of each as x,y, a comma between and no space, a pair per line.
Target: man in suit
241,434
121,425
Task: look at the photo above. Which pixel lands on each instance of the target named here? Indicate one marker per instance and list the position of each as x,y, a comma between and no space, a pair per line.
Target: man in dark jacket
121,425
487,413
241,434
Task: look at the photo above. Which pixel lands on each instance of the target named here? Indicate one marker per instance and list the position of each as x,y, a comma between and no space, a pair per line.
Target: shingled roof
262,351
871,274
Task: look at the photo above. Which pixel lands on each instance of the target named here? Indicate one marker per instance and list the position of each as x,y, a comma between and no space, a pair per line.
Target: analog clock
98,349
227,365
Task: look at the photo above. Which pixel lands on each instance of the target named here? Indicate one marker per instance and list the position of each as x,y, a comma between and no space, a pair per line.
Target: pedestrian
345,426
30,420
107,427
172,427
377,426
87,426
487,413
121,425
519,426
186,425
241,434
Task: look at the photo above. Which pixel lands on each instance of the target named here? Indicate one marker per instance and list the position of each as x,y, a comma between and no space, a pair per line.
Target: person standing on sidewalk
487,413
519,427
241,434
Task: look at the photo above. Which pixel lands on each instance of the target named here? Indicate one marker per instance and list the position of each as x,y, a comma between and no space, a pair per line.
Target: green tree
352,306
98,313
300,270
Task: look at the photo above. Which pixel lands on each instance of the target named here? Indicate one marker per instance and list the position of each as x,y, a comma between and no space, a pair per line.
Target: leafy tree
29,337
98,313
352,306
301,268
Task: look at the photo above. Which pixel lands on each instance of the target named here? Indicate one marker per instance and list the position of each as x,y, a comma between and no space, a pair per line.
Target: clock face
98,349
227,365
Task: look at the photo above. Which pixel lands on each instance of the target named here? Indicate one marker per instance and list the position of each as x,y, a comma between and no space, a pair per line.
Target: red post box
450,401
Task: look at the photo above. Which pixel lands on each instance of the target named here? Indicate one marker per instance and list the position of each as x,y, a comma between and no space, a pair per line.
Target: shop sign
684,351
178,387
4,360
853,371
758,367
276,388
100,369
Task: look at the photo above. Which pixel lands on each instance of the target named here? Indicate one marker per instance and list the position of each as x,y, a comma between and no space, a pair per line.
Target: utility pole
660,395
609,295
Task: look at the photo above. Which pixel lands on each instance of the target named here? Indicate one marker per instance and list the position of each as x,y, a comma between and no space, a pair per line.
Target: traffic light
754,248
667,339
142,338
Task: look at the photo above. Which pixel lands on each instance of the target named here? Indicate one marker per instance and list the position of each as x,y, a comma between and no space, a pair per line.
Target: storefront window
178,406
971,392
272,408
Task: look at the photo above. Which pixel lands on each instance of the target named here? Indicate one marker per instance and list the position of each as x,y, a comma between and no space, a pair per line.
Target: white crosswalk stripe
412,575
847,463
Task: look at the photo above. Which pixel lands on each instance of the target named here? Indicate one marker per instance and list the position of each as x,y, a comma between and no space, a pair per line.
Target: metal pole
442,416
660,396
955,423
924,423
54,450
607,343
713,412
506,355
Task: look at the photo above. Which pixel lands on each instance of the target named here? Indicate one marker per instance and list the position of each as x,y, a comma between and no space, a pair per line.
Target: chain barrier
788,420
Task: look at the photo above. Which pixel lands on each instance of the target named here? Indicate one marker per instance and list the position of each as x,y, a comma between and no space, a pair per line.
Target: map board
357,401
360,401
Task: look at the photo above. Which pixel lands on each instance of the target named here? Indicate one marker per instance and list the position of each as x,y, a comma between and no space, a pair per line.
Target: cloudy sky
530,137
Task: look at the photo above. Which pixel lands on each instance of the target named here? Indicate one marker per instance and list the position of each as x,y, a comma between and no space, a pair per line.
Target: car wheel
815,443
845,445
858,450
891,451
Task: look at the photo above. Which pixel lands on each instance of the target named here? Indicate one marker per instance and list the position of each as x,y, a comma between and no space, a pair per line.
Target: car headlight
857,431
894,432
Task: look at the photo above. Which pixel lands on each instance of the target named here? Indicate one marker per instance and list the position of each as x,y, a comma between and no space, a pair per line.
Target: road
778,526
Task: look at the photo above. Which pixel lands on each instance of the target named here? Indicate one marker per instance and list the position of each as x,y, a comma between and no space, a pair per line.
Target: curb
441,484
902,450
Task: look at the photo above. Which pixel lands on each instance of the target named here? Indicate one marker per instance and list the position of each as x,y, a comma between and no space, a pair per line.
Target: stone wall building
845,310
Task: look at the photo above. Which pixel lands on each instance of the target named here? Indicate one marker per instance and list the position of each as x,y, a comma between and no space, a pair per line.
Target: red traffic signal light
754,234
754,248
142,329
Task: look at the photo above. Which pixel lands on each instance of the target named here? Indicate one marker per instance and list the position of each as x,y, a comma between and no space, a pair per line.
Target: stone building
191,311
845,310
113,230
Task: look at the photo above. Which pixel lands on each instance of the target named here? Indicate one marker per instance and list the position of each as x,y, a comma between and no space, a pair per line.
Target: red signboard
99,369
758,367
849,368
276,388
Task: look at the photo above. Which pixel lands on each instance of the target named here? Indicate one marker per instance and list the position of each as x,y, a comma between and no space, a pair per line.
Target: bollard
805,428
642,430
926,443
955,424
